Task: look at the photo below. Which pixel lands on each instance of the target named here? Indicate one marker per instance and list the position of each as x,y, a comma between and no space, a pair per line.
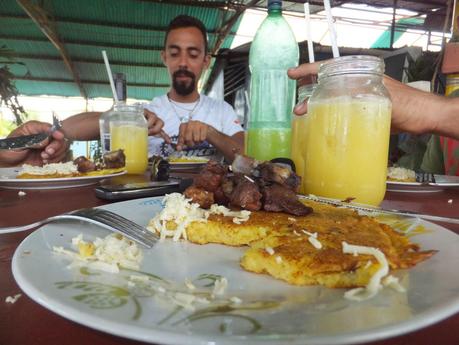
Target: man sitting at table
51,150
195,123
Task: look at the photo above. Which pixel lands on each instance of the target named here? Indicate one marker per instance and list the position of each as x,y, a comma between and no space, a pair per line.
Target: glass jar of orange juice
348,131
129,132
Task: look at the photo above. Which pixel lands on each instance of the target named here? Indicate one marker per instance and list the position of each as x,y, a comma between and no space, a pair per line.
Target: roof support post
392,28
40,17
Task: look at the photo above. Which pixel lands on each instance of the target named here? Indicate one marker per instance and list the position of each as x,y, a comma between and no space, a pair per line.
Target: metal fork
424,177
100,217
57,124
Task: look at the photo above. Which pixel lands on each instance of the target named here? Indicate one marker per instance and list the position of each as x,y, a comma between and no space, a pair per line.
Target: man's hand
304,74
192,133
50,150
155,125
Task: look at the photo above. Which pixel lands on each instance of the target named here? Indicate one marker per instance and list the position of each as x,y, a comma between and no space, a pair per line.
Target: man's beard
183,88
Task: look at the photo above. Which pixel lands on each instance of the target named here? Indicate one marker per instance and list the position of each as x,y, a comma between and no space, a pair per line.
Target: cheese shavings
107,254
374,285
269,250
313,239
220,286
13,299
68,168
181,211
238,216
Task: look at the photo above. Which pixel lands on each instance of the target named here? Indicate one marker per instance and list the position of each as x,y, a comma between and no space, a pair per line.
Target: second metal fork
106,219
424,177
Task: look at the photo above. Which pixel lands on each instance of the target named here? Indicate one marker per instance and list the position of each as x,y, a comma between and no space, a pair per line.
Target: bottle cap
274,4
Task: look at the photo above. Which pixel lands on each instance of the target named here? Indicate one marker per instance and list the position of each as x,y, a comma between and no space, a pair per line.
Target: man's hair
184,21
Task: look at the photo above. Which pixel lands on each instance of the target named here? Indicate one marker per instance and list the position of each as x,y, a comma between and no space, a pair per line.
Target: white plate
271,312
441,182
8,180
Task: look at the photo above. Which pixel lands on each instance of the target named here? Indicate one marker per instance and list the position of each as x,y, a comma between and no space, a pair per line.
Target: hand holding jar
348,132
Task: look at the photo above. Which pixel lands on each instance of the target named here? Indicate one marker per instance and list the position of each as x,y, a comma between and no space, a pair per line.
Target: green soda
272,94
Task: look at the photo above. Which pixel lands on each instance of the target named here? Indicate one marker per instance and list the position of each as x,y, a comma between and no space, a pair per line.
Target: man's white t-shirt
216,113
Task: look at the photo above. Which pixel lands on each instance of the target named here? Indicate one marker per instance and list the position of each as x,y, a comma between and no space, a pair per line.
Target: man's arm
83,126
227,145
192,133
413,110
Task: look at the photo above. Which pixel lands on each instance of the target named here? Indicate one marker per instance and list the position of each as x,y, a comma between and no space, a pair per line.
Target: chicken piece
114,159
199,196
84,165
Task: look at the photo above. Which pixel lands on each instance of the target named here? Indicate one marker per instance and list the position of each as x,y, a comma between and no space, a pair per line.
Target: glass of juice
299,132
347,141
129,132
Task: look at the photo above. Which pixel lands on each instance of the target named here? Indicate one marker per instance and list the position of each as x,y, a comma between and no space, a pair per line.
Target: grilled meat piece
199,196
114,159
242,192
279,198
244,165
211,176
84,165
279,173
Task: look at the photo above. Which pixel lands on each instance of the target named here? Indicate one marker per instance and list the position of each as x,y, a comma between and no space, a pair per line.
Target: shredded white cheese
21,193
182,212
450,201
107,254
291,219
12,299
269,250
393,283
313,239
189,284
236,300
220,286
68,168
374,285
278,259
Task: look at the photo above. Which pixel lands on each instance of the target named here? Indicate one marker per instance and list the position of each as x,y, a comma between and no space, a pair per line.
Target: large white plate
271,311
441,182
8,180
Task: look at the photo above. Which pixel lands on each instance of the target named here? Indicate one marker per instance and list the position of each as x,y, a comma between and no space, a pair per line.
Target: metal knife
22,142
364,208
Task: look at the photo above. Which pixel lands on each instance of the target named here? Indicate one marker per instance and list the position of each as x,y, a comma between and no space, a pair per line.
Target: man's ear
163,57
207,59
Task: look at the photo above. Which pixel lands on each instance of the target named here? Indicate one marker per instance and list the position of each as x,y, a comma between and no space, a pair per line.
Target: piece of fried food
288,253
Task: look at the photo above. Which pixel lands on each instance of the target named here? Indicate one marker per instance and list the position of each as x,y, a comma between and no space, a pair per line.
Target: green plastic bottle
272,94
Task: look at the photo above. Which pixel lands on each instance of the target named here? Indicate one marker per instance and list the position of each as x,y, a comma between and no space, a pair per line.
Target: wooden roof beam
226,28
96,82
40,17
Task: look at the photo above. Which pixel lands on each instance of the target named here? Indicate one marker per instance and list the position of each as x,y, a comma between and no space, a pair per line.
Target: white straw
331,29
110,76
308,32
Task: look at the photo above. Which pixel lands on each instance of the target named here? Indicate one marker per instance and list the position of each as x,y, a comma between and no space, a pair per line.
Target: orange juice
299,132
347,149
134,141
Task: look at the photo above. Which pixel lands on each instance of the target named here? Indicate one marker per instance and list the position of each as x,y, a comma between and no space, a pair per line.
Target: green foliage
8,91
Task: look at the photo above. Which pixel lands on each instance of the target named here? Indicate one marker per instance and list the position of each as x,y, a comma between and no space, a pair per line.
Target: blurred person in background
194,123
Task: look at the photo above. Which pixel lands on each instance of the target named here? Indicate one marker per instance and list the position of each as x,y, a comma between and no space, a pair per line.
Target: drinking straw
308,32
331,29
110,76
